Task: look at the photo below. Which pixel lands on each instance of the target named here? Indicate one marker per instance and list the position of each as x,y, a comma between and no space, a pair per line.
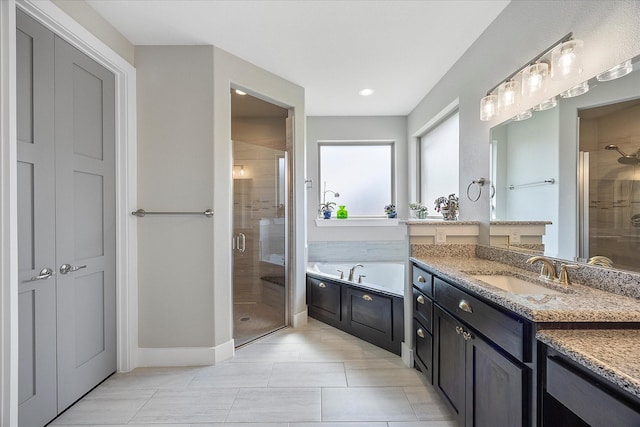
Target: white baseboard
406,354
300,319
184,356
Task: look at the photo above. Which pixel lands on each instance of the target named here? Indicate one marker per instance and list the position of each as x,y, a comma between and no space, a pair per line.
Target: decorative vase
422,214
326,214
392,214
342,212
445,213
414,213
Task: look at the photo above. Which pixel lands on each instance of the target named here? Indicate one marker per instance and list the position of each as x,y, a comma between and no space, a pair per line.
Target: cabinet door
324,300
369,316
495,387
449,362
424,349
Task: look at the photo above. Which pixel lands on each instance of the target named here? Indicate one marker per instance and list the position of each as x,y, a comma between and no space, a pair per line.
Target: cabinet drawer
587,398
499,327
422,280
323,298
423,309
424,348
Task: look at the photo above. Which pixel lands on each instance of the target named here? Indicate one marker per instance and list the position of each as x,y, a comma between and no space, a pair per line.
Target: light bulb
534,78
508,95
566,60
488,107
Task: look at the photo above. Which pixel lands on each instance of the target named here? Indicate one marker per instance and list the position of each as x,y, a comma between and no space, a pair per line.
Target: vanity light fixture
524,115
616,72
534,78
566,60
488,107
562,60
577,90
238,171
366,92
546,105
508,95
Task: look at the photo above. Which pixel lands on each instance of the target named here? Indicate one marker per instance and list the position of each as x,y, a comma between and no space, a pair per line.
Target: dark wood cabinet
482,386
373,316
424,349
479,353
580,398
324,300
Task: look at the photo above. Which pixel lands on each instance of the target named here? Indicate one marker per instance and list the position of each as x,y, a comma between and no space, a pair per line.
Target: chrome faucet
352,270
548,271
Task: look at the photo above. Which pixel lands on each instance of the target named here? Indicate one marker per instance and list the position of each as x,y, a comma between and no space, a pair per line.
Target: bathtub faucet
352,270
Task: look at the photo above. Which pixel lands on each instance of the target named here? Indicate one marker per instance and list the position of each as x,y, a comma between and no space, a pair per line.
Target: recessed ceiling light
239,92
366,92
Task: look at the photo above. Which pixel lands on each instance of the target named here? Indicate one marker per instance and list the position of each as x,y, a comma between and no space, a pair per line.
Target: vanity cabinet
373,316
423,320
576,397
479,354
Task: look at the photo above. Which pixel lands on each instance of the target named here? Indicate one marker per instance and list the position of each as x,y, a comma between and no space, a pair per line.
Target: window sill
358,222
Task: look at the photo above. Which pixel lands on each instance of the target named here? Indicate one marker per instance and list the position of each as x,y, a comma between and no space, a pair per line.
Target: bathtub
386,277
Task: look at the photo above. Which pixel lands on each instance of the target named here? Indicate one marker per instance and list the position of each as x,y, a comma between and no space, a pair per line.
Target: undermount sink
515,284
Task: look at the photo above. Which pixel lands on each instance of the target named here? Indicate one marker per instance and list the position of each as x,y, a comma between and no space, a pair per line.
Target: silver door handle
420,299
67,268
465,306
420,333
44,274
243,240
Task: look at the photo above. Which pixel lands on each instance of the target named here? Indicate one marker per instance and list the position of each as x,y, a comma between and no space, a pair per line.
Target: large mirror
567,180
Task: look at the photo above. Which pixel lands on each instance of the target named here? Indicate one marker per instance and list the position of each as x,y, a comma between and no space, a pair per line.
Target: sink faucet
548,271
352,270
564,279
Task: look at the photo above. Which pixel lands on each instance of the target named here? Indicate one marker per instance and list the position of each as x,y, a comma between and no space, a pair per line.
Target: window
361,172
439,161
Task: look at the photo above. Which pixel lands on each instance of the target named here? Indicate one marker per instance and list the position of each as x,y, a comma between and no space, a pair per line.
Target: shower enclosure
260,201
609,177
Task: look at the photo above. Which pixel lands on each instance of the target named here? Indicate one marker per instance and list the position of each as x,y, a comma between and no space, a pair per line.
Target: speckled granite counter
577,303
612,354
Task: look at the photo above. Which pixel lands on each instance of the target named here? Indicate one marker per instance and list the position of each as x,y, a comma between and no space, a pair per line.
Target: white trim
446,111
126,172
300,319
8,219
185,356
357,222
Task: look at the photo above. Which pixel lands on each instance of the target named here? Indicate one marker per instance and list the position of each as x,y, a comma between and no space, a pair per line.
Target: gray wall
610,30
175,156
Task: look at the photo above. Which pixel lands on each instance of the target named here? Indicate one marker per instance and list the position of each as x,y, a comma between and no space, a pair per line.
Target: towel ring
480,183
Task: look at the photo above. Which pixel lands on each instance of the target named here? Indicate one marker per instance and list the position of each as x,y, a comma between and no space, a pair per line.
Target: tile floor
315,376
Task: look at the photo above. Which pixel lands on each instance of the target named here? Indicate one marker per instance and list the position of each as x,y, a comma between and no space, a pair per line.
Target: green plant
415,206
327,206
451,203
389,209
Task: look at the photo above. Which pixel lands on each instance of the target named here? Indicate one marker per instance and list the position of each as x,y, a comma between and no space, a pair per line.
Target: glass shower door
259,260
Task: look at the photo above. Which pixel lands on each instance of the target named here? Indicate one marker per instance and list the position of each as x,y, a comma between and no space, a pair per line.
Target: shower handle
242,242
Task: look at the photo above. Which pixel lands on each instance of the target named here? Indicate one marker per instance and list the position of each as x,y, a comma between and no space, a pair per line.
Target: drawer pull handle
422,279
367,298
420,333
467,336
459,330
420,299
322,285
465,306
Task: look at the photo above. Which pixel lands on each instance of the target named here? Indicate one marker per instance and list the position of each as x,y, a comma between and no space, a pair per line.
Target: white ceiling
332,48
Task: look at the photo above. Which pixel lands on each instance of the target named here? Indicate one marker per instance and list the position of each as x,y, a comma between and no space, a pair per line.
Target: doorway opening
261,150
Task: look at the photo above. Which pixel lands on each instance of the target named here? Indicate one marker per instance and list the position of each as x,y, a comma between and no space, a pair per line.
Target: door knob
67,268
44,274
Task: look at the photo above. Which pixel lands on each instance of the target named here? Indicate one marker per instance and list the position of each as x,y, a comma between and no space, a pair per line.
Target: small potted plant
422,213
414,208
390,210
326,208
447,206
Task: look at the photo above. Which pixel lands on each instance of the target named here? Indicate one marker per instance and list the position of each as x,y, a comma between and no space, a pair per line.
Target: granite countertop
612,354
576,303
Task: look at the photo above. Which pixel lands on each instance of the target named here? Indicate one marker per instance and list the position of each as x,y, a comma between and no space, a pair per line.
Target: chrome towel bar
142,213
